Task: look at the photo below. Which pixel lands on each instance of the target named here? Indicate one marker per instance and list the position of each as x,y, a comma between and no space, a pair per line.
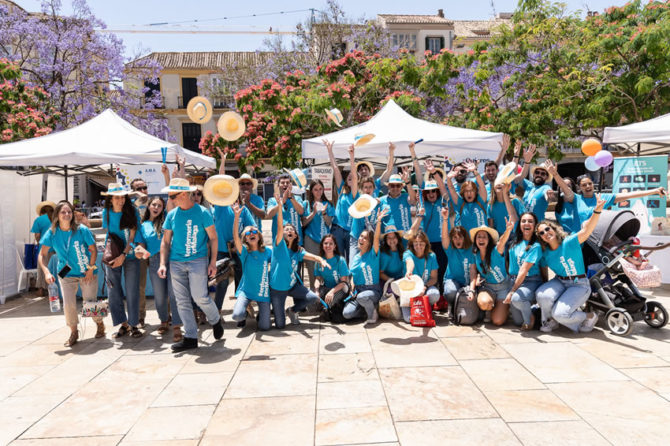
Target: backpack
333,313
466,312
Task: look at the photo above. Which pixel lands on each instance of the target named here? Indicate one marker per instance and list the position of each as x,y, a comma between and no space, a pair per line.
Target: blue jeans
302,296
353,248
561,299
364,304
441,258
523,298
342,240
162,291
189,280
433,296
131,274
498,290
240,311
451,288
222,286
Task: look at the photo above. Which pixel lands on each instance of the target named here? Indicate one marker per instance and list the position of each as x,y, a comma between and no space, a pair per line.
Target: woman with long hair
566,211
421,261
434,194
525,271
470,202
502,204
332,282
316,222
561,298
365,275
151,230
390,257
489,271
75,247
121,219
457,247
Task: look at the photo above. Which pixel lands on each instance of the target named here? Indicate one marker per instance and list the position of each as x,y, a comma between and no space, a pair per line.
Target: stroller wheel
655,314
619,321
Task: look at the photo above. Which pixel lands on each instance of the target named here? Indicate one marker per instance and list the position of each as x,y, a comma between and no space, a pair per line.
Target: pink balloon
603,158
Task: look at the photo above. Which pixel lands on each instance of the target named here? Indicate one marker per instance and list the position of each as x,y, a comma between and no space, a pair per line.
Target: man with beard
536,195
293,207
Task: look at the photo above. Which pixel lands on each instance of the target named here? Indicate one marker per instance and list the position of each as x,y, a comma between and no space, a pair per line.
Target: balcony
217,101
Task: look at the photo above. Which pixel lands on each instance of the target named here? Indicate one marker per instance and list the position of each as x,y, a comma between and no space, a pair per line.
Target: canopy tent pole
45,180
65,176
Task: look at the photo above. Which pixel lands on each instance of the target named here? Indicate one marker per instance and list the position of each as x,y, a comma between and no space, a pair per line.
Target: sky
129,14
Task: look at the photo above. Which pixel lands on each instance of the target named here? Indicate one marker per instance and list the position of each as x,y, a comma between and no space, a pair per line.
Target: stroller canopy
620,224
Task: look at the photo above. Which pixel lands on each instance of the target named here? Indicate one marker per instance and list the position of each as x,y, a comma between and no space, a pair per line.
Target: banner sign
325,174
150,173
635,174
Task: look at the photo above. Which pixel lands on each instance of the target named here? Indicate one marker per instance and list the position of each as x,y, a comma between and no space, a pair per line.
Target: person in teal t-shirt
342,221
470,207
45,212
390,257
421,261
316,221
502,204
457,247
293,207
332,282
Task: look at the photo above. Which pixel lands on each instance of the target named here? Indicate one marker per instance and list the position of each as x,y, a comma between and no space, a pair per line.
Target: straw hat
299,177
430,185
492,232
388,229
406,288
44,204
426,176
246,176
335,115
363,206
506,174
395,179
363,139
115,189
221,190
199,110
178,185
230,126
541,166
366,163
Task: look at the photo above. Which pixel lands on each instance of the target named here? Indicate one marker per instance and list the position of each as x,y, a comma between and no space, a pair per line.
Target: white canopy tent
105,139
650,137
393,124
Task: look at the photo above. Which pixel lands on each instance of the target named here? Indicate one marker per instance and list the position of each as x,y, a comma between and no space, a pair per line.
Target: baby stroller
612,291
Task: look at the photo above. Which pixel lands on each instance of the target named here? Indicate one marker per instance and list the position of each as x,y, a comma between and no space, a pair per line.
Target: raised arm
568,194
450,185
446,241
502,241
590,224
528,155
408,183
618,198
481,186
504,145
336,170
354,174
280,218
222,166
378,229
237,211
509,207
417,168
389,165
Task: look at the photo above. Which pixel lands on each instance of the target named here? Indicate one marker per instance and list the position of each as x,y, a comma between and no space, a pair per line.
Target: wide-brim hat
115,189
492,232
389,229
366,163
430,185
178,185
335,115
42,204
199,110
395,179
426,176
221,190
550,178
406,288
246,176
363,139
299,177
230,126
506,174
363,206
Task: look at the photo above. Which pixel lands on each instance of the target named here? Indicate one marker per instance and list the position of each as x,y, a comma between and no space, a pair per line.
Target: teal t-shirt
400,210
431,223
365,268
498,211
535,198
150,237
567,259
71,248
255,283
568,218
189,237
260,204
489,188
458,264
317,228
224,216
518,254
472,215
497,272
391,264
360,224
290,216
423,267
585,206
284,266
331,276
342,217
41,225
114,226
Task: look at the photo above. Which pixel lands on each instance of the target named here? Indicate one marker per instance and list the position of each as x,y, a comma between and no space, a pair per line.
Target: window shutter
442,43
427,47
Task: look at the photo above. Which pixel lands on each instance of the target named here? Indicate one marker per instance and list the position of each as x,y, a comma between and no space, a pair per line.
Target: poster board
325,174
150,173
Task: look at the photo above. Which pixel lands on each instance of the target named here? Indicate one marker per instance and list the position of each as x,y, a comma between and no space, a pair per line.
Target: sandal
176,334
74,337
163,328
124,330
135,332
100,333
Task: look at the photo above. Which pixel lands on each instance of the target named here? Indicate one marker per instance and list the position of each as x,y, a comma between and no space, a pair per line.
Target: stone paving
325,384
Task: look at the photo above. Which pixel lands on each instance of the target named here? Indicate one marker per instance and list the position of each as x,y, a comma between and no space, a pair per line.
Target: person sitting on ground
319,213
458,249
332,282
421,261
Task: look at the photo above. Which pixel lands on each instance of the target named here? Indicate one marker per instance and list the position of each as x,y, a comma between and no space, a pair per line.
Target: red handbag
421,314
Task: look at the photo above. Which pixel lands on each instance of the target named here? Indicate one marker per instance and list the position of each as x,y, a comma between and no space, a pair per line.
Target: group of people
459,231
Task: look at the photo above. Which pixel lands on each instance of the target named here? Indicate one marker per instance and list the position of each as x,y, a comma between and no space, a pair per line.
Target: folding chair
27,273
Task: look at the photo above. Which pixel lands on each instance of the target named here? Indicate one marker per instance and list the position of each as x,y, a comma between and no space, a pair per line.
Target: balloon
603,158
591,146
591,164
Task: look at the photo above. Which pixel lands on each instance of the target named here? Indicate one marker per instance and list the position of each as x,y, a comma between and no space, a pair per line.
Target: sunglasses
142,188
395,186
541,233
541,173
173,196
244,183
198,193
251,231
462,172
432,191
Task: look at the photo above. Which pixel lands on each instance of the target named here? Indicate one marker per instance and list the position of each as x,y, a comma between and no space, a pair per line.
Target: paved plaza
325,384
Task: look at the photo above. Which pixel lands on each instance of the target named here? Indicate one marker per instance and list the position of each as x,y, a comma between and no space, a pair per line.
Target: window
191,134
189,90
434,44
406,41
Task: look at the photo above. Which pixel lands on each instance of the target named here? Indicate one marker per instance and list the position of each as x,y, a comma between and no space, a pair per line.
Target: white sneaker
589,322
373,319
549,326
295,320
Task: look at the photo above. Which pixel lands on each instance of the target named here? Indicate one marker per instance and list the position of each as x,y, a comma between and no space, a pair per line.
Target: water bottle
54,301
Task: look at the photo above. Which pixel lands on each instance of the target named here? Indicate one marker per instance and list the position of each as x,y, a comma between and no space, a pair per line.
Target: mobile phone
63,272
